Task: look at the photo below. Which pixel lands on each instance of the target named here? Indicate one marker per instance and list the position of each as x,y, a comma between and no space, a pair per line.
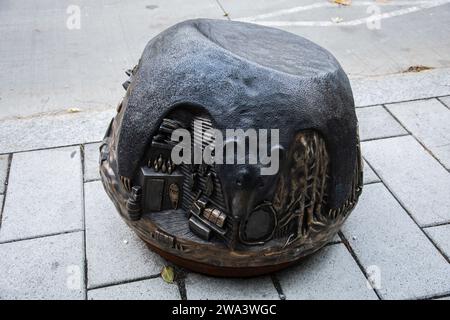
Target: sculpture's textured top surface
245,76
231,219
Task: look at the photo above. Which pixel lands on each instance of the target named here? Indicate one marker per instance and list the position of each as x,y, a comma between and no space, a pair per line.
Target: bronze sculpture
202,76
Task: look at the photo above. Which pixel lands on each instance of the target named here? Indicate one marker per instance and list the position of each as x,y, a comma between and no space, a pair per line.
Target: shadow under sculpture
226,219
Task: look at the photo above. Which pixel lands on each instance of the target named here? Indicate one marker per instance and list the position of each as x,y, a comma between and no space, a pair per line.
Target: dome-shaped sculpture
201,77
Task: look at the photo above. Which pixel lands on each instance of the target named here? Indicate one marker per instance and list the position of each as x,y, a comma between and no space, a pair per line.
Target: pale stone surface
44,194
393,249
441,237
151,289
199,287
114,252
376,122
91,156
44,268
3,172
401,87
445,101
56,130
417,180
369,176
331,273
392,48
429,122
52,67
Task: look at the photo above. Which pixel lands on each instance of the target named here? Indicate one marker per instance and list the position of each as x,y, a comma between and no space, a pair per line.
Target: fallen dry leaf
73,110
168,274
343,2
418,68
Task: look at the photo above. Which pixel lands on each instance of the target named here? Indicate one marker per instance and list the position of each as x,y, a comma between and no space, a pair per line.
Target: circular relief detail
259,225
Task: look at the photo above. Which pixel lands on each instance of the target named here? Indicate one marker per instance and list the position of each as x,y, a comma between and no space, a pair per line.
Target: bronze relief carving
231,219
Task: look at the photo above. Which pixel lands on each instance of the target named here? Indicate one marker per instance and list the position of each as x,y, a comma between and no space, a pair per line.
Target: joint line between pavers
117,283
180,280
414,220
42,236
181,284
225,13
387,137
52,147
276,283
2,205
435,296
436,224
83,208
371,167
415,138
400,101
439,296
355,257
439,99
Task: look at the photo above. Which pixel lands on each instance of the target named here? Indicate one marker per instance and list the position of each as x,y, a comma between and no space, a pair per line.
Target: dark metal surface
229,219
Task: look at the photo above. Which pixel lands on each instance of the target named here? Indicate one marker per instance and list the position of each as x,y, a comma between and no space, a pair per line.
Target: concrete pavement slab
408,34
417,180
56,130
200,287
331,273
91,156
402,262
376,122
369,175
54,63
4,160
428,121
44,194
114,253
445,101
43,268
441,237
151,289
401,87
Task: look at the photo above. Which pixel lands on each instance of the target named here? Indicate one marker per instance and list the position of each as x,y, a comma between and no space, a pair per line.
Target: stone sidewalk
49,67
61,237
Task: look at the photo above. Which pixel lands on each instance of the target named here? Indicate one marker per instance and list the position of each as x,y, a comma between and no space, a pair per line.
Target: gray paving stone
151,289
446,101
331,273
428,121
49,131
369,176
385,239
3,171
44,268
44,194
55,68
417,180
376,122
91,156
114,252
441,237
401,87
200,287
400,46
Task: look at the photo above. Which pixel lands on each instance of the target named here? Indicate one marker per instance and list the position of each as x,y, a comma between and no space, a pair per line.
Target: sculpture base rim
219,271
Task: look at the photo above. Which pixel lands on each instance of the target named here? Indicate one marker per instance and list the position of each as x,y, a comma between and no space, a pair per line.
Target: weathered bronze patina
229,219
